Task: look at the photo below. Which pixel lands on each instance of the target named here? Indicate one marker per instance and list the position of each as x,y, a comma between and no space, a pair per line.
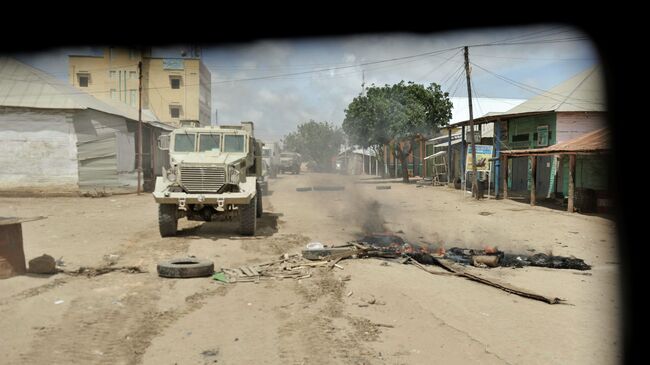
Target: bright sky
281,83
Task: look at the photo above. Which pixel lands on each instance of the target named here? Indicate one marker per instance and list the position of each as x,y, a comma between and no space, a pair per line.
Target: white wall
574,125
38,151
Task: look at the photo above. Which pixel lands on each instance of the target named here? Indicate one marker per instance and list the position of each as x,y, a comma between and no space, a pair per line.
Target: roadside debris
505,287
188,267
286,267
493,257
44,264
96,271
383,187
329,188
388,246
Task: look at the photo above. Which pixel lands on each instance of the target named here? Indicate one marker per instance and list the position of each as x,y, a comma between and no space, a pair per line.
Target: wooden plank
502,286
533,179
572,177
12,255
247,271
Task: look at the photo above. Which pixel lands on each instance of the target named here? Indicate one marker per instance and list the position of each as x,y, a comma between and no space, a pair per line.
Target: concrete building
58,140
172,88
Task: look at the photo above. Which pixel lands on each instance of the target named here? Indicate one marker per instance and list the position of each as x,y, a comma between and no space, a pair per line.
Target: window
175,82
113,94
133,75
520,138
134,96
112,74
542,135
184,142
175,111
209,142
83,79
233,143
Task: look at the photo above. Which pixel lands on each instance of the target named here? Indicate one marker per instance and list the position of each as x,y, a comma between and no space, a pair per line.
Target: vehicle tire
167,219
258,196
248,218
185,268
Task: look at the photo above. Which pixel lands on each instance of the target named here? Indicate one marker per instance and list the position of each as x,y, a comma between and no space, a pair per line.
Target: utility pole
139,127
471,127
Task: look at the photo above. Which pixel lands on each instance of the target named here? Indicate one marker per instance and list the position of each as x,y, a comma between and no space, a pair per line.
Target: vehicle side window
233,143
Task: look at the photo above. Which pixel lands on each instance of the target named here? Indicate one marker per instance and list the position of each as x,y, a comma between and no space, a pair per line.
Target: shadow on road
267,226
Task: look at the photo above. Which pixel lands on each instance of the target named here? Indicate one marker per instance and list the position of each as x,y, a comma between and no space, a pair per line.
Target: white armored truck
214,171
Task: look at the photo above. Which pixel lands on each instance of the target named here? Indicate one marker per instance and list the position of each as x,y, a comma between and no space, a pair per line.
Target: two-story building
172,88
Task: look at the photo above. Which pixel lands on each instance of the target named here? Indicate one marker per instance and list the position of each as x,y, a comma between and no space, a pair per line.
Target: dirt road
416,318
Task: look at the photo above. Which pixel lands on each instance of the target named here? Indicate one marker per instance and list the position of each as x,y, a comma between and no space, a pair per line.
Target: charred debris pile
390,246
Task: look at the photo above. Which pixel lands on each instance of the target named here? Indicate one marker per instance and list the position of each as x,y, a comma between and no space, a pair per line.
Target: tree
315,141
396,113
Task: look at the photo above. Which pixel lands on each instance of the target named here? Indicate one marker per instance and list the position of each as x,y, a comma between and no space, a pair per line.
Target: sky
280,83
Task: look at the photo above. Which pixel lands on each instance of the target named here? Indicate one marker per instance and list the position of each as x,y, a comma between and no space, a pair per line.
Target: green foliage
396,112
315,141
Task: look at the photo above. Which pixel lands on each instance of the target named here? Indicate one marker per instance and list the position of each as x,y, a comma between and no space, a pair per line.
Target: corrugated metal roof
596,141
583,92
24,86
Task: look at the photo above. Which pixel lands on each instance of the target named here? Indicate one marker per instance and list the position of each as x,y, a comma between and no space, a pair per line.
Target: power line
535,59
440,65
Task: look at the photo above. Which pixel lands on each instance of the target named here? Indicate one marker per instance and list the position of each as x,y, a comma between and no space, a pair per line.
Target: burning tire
167,220
185,268
248,218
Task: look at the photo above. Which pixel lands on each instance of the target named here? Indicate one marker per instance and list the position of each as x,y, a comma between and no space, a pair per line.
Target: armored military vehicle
214,171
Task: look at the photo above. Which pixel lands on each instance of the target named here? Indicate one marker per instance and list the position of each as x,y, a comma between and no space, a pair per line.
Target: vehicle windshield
184,142
209,142
233,143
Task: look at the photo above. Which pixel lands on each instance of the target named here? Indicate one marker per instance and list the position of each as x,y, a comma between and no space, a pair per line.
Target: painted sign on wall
172,64
483,156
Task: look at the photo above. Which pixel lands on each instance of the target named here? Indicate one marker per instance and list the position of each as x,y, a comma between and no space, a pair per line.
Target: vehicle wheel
185,268
167,219
248,218
260,209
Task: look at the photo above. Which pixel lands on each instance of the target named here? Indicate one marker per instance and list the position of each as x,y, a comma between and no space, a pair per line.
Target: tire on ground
185,268
248,218
258,196
167,219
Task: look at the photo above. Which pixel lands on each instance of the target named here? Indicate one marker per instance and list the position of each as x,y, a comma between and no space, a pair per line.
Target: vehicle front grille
202,179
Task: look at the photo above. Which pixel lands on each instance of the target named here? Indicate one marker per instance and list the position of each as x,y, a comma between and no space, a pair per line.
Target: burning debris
499,258
388,245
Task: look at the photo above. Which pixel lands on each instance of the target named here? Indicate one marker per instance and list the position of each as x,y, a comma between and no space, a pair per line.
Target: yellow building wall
115,76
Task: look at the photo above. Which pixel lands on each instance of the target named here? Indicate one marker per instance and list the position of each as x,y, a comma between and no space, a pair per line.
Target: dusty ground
418,318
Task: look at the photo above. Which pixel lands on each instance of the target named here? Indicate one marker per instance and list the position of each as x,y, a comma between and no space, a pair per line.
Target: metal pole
139,127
